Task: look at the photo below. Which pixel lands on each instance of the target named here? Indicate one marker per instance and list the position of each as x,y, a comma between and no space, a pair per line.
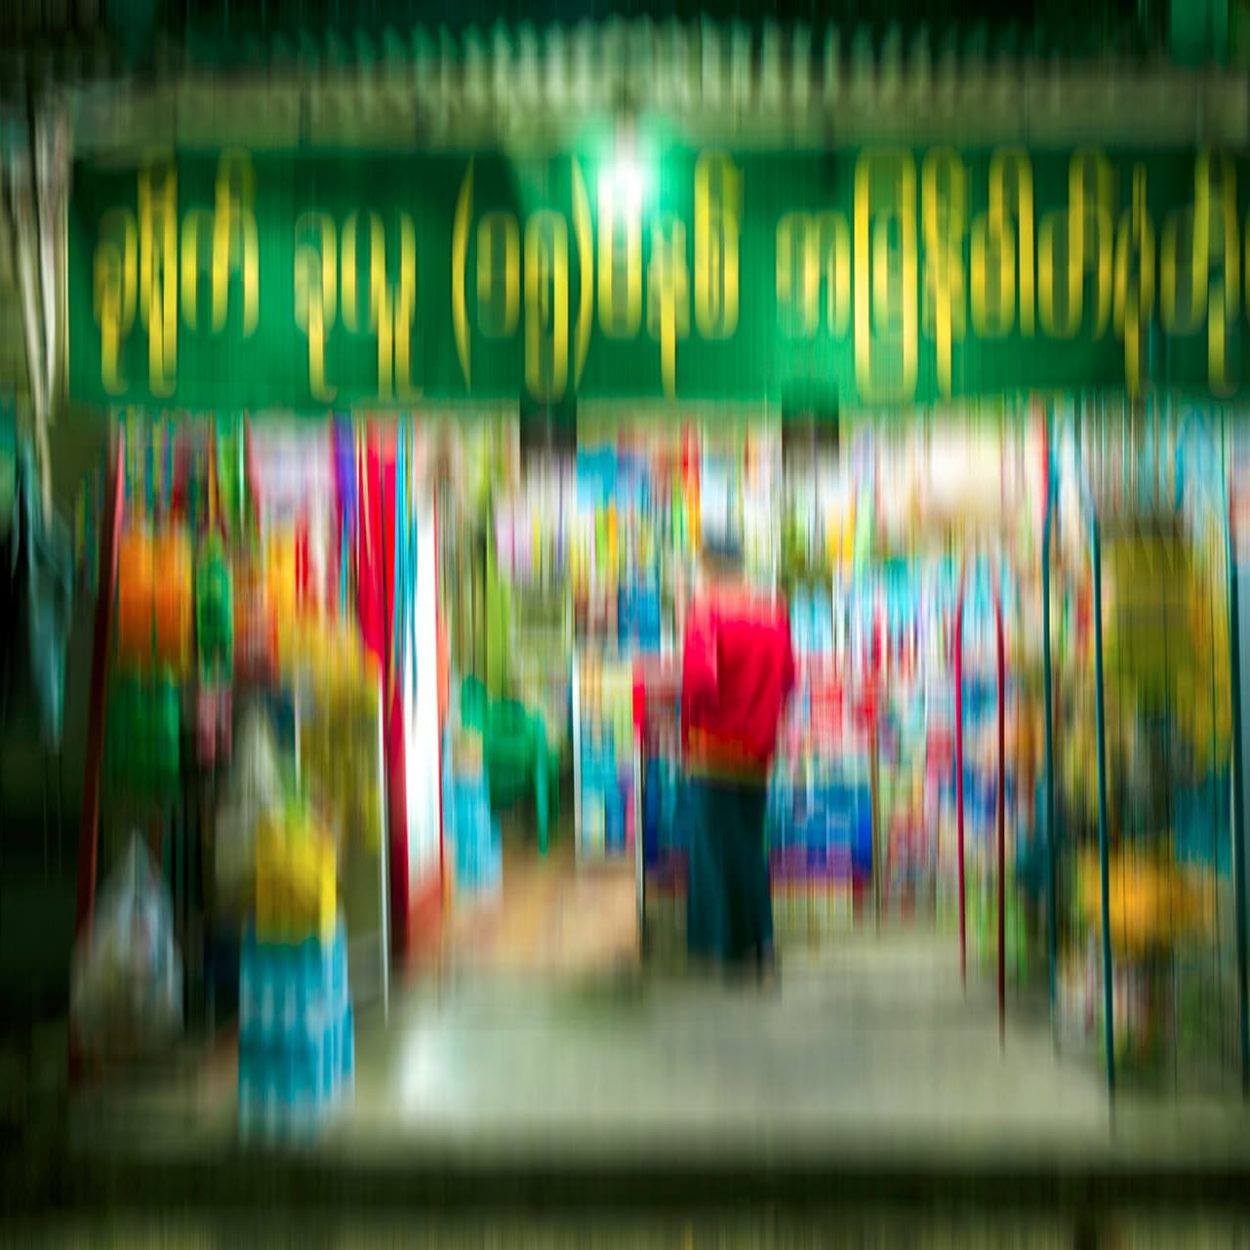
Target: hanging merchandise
532,533
604,774
419,655
171,599
143,747
342,685
255,625
644,496
214,608
195,623
214,623
37,601
135,593
214,633
514,746
470,827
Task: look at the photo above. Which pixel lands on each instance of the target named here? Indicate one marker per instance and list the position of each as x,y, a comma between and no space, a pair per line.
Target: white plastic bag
126,978
253,790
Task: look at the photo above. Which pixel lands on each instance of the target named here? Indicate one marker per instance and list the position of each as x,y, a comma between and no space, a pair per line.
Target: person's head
721,559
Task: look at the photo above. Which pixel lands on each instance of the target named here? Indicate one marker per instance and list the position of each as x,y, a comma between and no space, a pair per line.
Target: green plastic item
143,738
165,729
514,750
498,628
214,608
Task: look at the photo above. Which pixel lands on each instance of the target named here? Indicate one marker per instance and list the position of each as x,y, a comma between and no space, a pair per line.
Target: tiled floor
549,918
872,1052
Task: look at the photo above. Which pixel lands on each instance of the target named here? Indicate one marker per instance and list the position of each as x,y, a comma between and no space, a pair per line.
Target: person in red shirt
737,674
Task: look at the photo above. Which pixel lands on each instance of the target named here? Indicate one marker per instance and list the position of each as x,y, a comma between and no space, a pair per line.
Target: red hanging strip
110,540
303,578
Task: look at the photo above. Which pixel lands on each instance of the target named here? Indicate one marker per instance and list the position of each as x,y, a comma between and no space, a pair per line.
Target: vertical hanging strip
1001,810
361,512
188,470
411,532
256,487
1241,879
151,432
347,484
345,559
394,667
110,536
240,454
414,547
362,474
134,474
211,492
171,434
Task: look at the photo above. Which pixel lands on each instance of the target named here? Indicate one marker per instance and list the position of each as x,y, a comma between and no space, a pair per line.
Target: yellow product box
296,881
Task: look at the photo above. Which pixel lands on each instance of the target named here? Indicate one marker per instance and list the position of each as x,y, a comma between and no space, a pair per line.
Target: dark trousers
729,909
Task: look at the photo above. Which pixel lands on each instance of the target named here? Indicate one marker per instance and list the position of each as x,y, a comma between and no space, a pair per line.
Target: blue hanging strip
123,429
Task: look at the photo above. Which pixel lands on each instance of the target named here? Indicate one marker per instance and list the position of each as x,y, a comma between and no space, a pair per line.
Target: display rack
1166,735
183,833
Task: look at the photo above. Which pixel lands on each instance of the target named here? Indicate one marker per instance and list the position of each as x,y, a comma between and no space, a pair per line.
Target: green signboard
886,276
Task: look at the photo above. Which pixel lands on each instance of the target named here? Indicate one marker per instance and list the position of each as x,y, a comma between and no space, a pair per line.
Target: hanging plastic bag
253,792
126,979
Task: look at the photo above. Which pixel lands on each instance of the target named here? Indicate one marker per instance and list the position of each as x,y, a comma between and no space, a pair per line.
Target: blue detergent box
296,1034
288,1091
290,992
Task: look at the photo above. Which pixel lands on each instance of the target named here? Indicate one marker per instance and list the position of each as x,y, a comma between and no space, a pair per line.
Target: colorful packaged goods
605,766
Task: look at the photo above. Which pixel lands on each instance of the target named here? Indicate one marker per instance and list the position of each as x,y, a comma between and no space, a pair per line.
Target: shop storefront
433,436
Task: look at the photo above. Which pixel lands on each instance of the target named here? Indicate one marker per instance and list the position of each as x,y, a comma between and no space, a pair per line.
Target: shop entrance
566,573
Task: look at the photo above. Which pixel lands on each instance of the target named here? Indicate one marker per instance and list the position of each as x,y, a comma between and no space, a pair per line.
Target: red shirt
737,672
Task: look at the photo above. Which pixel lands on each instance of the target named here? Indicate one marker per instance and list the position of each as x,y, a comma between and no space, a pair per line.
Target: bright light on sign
623,183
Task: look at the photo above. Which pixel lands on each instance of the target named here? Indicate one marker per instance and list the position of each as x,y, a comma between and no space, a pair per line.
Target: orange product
171,598
135,589
1151,904
280,573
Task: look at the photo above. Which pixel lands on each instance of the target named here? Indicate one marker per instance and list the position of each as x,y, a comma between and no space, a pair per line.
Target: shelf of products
244,734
